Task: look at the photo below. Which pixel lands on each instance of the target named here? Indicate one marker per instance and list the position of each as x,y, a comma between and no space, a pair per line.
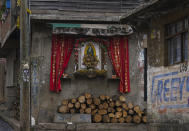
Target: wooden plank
85,5
89,2
2,79
78,10
25,68
78,16
43,0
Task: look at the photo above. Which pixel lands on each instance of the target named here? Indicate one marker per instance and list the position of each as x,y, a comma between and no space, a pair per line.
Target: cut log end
88,95
81,99
97,118
122,98
65,102
128,119
106,119
136,119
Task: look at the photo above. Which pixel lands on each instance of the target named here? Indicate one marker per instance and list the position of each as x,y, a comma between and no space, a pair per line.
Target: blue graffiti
181,87
174,88
173,93
166,90
187,84
160,88
153,92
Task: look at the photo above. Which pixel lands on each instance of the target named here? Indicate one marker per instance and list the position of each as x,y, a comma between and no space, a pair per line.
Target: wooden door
2,79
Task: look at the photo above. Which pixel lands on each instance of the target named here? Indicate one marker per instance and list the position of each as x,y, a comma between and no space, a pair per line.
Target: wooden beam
25,67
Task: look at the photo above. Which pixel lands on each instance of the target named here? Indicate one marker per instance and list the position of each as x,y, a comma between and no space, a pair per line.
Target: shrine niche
89,58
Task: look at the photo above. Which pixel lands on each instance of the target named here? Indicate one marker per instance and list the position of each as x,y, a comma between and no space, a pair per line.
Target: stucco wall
168,93
44,102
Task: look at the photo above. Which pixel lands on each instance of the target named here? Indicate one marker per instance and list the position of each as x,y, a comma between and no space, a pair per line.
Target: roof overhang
153,9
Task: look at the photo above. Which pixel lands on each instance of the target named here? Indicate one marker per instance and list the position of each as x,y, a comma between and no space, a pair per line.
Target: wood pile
104,109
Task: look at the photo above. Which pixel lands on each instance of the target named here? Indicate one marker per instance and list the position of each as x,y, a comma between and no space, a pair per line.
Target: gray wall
45,103
159,109
10,89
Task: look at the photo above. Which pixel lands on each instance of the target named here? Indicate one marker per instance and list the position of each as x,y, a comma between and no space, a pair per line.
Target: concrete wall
45,103
11,81
168,89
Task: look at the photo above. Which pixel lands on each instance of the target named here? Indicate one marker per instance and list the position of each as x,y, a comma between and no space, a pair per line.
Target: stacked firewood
104,109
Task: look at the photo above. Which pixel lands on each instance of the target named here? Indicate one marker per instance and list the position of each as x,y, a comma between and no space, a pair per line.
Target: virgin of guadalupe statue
90,50
90,59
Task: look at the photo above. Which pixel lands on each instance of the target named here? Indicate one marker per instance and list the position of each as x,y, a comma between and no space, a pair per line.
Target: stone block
72,118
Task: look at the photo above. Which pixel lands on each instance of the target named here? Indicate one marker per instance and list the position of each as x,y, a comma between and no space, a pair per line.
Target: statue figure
90,59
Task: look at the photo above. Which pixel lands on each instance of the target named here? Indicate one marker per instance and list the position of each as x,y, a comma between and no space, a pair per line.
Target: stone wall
45,103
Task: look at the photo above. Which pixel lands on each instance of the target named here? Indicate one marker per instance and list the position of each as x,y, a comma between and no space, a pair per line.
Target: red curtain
119,54
62,47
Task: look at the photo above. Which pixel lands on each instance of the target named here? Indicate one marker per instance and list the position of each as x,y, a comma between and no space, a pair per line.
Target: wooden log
102,112
100,107
70,105
72,111
63,109
83,106
111,115
92,106
105,105
136,109
144,119
77,105
119,109
111,110
131,112
128,119
82,111
96,101
94,112
73,100
112,104
121,120
122,98
124,106
118,114
88,95
81,99
124,113
130,105
89,101
110,100
106,119
139,113
97,118
113,120
107,98
88,110
102,97
65,102
118,103
136,119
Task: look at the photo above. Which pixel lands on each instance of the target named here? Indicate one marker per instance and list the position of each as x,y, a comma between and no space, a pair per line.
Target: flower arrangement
90,61
90,73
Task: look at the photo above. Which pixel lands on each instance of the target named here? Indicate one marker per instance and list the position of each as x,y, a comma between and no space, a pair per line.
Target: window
177,41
